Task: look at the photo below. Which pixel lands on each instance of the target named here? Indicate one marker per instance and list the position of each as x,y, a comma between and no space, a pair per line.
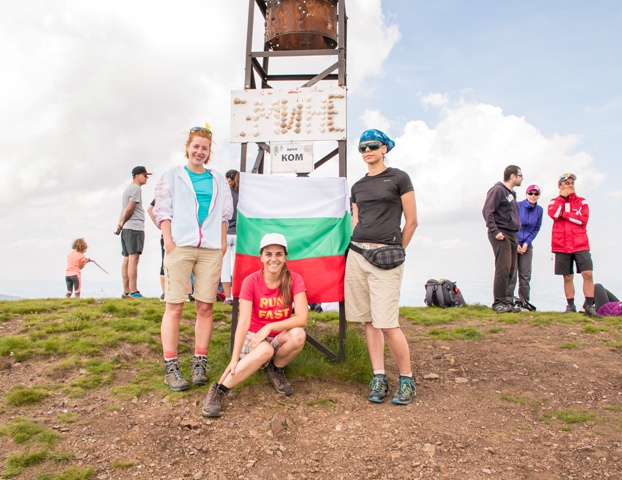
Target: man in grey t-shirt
132,229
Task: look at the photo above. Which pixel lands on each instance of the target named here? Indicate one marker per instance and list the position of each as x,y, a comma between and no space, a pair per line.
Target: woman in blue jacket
530,214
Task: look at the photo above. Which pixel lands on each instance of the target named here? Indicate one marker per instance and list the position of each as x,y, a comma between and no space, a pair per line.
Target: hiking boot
378,388
199,370
405,392
504,308
277,377
135,295
570,309
591,312
172,376
213,402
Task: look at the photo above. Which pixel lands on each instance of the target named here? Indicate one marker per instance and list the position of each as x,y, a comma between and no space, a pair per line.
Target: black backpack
443,293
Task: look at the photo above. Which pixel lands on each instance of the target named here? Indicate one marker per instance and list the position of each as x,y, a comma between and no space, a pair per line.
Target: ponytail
285,285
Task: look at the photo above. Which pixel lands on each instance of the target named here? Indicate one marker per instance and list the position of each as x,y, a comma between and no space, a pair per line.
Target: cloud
454,163
371,38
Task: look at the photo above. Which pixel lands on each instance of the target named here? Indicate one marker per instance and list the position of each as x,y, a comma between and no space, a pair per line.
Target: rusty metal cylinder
301,24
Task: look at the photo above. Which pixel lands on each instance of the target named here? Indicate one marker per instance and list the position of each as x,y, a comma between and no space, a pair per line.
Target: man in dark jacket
570,244
501,215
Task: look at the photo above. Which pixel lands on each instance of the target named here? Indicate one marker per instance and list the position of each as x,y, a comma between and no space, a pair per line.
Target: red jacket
570,216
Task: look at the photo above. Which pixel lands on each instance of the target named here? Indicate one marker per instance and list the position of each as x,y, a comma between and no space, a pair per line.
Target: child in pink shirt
75,263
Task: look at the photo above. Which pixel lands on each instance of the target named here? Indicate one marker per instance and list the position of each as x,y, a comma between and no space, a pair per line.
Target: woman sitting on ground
268,334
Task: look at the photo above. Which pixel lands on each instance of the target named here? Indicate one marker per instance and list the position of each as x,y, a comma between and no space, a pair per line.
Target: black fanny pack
386,258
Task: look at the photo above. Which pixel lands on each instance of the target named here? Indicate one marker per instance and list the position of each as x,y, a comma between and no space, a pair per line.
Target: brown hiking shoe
277,377
213,402
199,370
172,376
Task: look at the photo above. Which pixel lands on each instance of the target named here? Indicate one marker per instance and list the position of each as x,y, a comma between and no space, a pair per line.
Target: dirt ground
484,409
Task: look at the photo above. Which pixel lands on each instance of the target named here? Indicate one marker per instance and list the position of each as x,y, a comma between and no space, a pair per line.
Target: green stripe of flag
306,237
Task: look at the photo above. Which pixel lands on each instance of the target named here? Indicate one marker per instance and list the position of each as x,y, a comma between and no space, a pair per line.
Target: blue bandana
376,135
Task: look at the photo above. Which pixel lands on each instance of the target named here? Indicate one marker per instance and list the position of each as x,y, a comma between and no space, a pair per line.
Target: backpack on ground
443,293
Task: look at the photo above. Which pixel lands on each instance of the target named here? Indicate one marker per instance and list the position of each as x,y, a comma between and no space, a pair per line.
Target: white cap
273,239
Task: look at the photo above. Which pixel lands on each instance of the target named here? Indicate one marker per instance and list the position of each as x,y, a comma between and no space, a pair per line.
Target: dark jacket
530,221
501,210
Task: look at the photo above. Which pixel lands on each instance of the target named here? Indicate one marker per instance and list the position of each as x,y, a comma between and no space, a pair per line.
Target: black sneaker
378,388
172,376
591,312
199,370
277,377
504,308
162,297
570,309
213,402
406,391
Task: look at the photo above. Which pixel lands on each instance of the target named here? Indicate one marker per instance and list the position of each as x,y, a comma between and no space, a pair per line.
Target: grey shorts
564,262
246,348
132,241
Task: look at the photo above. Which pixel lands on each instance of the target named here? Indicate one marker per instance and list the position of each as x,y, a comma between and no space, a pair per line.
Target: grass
81,339
573,415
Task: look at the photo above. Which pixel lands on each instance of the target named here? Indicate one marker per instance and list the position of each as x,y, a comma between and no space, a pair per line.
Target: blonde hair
79,245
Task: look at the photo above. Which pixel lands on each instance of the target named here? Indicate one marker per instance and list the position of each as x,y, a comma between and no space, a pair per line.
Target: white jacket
175,200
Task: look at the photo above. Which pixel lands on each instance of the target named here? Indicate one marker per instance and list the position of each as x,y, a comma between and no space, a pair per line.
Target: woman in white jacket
192,208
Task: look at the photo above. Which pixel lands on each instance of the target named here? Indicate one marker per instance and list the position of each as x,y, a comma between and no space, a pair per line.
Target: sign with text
291,157
303,114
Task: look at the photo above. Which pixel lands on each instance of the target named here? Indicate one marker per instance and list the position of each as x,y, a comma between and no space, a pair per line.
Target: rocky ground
484,409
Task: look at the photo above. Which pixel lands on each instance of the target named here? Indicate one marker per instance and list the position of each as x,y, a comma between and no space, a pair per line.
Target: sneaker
213,402
570,309
277,377
406,391
190,298
504,308
135,294
125,295
199,370
591,312
378,388
162,297
172,376
228,301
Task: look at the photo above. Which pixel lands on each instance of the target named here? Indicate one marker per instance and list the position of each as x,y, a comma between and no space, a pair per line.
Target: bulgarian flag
314,216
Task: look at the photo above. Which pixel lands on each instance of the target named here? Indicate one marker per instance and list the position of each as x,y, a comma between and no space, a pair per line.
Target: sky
90,90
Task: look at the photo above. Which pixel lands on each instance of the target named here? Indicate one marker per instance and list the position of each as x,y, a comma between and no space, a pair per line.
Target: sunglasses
533,193
373,146
198,129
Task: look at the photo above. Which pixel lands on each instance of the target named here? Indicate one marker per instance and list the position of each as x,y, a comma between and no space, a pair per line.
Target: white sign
291,157
302,114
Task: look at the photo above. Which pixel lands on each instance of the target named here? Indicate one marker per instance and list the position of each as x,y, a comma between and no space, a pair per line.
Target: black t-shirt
379,202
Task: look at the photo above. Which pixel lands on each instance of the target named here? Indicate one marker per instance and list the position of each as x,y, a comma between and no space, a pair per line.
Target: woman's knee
296,336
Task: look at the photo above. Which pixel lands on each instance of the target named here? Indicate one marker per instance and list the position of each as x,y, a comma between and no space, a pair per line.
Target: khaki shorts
372,294
204,263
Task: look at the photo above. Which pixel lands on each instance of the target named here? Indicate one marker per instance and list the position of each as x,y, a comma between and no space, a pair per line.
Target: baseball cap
565,176
273,239
531,188
140,170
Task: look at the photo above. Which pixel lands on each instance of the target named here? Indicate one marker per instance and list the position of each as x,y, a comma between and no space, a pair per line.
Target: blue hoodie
531,221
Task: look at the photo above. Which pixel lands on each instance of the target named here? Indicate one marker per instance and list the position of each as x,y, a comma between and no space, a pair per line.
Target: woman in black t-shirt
371,293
